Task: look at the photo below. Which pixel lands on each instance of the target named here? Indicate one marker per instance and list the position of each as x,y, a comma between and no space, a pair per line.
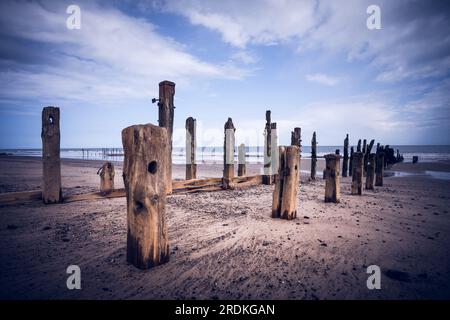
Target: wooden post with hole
368,150
107,174
284,203
145,152
345,163
357,173
191,145
313,156
228,153
242,170
166,111
379,167
370,173
332,182
51,163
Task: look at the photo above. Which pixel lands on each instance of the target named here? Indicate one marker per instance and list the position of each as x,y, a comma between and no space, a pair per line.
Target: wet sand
224,245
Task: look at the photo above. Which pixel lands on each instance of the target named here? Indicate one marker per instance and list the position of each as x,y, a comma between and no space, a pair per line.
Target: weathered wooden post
270,150
358,147
296,140
379,167
332,185
357,173
107,174
51,163
242,170
350,168
191,145
166,110
313,156
145,152
345,163
368,150
228,153
284,203
296,137
370,173
274,153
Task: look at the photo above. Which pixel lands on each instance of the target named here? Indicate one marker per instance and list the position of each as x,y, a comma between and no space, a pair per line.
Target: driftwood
107,174
242,169
313,156
345,163
357,173
178,187
284,203
166,111
51,163
332,182
228,153
145,179
20,197
191,166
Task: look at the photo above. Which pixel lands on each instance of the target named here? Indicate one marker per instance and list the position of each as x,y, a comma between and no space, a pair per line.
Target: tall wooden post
350,168
357,173
106,178
370,173
274,153
51,163
166,115
367,152
191,145
228,153
296,140
145,148
284,203
358,148
296,137
345,163
332,182
242,170
270,150
379,167
313,156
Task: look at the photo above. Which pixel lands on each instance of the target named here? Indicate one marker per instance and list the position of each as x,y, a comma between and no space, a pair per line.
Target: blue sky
314,63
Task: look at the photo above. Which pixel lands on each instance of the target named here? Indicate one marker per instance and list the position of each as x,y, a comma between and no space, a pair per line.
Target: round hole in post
152,167
50,119
138,206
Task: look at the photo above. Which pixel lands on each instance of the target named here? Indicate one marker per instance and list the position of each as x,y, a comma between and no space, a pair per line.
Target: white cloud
244,57
323,79
412,44
113,57
253,21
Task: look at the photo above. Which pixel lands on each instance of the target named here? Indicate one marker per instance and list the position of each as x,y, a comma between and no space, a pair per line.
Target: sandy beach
225,245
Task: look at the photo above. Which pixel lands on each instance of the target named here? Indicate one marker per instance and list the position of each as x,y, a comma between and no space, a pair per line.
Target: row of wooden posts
147,172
